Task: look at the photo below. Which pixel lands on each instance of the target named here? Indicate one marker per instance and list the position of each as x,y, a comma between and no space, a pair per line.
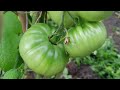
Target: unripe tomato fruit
74,13
39,53
56,16
94,15
86,38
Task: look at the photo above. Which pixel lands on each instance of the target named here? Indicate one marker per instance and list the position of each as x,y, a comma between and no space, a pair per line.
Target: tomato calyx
51,40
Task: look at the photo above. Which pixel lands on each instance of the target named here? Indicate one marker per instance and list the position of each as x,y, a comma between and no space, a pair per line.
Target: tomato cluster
81,39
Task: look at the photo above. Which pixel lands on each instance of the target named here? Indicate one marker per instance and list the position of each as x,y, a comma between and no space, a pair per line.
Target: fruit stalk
57,32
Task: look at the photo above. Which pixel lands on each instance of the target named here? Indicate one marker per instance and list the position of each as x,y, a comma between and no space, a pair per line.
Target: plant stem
61,40
61,25
66,36
38,17
35,16
46,18
72,17
22,16
27,21
58,31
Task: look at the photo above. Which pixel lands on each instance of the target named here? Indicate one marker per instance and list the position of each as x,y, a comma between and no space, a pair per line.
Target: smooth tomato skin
94,15
56,16
85,39
39,54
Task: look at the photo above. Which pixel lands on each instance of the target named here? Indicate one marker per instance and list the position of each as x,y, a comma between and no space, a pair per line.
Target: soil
82,72
113,27
85,72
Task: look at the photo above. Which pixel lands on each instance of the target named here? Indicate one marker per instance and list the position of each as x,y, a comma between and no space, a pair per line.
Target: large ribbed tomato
86,38
94,15
56,16
39,53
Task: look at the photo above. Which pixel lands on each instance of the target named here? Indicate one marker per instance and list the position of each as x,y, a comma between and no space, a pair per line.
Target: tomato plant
44,41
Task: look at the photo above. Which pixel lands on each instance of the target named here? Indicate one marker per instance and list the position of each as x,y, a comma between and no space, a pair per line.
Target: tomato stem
38,17
72,17
35,16
63,36
22,16
58,31
52,41
61,27
45,18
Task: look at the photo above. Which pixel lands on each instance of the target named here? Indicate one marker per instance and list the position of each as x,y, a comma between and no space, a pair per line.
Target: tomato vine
45,40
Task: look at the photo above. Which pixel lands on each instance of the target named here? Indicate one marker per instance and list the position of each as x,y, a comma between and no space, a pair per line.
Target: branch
23,19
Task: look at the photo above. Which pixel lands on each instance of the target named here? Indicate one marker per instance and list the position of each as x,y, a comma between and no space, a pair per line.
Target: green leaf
11,31
13,74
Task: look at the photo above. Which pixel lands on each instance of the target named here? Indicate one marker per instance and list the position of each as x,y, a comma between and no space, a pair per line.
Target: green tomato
40,54
56,16
74,13
94,15
86,38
